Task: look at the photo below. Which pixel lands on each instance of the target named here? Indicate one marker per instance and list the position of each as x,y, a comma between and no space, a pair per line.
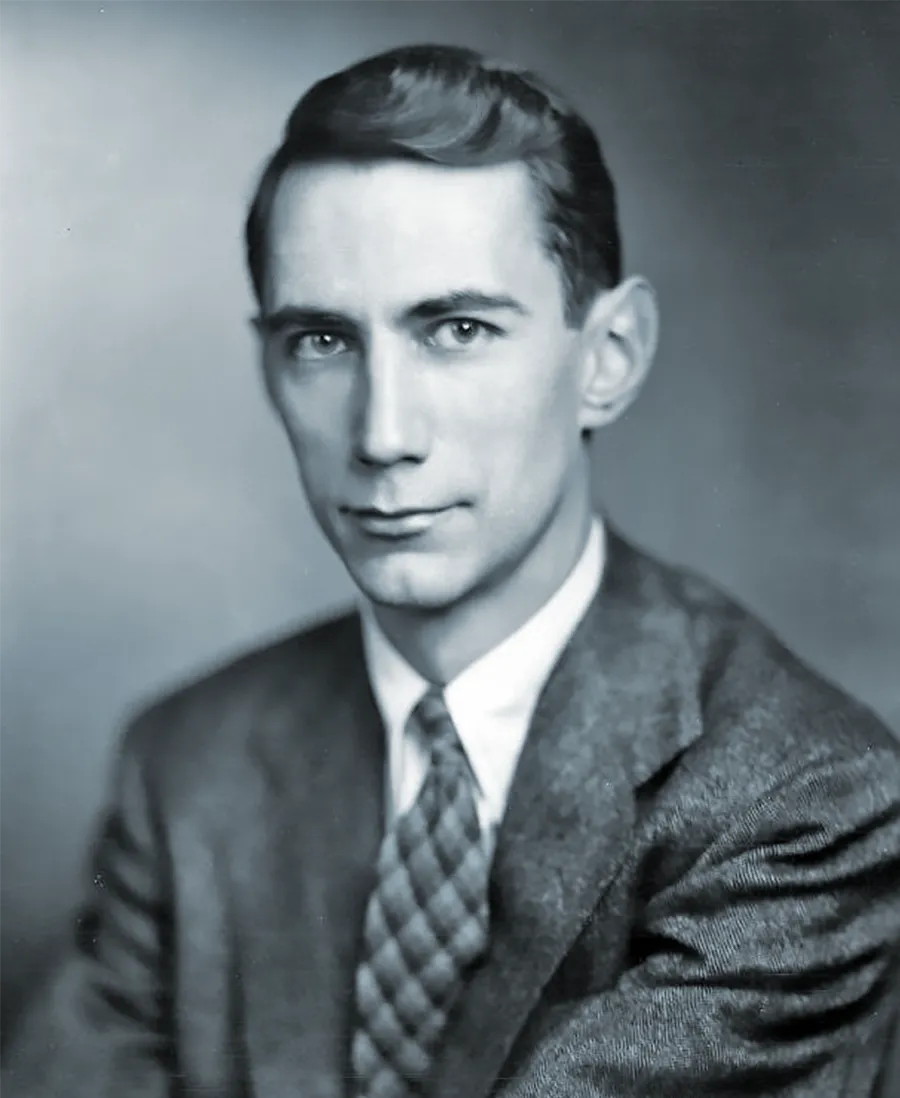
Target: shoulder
749,685
772,740
209,721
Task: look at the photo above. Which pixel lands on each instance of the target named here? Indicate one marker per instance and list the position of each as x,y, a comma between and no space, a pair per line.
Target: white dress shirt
491,702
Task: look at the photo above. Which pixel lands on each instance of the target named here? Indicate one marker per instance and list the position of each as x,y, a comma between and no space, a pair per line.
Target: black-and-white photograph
450,549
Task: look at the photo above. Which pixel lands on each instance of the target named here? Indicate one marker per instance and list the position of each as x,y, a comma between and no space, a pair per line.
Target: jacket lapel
619,705
308,857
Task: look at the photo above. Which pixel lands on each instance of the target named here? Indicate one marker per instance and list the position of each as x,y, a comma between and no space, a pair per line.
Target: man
547,817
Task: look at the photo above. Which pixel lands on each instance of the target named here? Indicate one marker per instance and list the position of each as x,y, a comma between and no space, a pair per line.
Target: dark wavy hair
452,106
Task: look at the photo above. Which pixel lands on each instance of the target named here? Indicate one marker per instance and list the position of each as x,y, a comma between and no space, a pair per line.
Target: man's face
416,350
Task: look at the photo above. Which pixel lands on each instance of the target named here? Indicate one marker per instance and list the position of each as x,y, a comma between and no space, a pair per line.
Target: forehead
362,236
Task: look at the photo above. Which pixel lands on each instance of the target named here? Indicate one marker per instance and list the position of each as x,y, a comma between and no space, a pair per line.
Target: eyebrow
289,316
432,308
463,301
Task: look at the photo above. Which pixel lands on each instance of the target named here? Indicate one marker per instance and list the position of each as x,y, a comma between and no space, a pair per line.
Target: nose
391,423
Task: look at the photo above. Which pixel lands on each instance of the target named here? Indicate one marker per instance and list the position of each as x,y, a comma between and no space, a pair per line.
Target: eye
460,332
315,345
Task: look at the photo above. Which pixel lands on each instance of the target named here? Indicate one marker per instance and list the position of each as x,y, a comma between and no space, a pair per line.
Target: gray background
150,517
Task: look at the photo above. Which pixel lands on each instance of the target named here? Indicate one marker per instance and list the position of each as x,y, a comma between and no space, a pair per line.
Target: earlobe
620,338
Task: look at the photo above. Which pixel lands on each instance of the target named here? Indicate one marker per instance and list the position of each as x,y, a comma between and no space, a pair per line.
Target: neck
440,644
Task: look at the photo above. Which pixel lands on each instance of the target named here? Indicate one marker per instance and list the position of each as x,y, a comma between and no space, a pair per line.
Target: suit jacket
696,886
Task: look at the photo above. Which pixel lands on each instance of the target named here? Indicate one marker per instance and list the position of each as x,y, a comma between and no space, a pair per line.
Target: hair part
451,106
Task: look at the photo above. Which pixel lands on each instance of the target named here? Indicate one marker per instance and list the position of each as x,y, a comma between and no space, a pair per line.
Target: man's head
435,252
450,106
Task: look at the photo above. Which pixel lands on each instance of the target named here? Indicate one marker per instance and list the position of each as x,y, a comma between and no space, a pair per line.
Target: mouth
398,523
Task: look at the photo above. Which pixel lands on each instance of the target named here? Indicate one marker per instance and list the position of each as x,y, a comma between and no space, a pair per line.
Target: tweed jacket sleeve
768,967
102,1026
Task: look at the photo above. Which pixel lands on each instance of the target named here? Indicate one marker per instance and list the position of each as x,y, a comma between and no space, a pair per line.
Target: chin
400,581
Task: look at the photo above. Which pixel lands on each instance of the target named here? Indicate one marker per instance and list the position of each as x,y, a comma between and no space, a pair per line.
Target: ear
619,338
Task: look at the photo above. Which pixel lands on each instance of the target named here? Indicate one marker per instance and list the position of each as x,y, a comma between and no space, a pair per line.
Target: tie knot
436,724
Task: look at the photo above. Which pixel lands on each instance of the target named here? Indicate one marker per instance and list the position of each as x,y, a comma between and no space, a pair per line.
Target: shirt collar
500,690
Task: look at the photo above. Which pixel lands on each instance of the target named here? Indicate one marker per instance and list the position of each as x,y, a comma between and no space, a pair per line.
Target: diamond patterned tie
426,921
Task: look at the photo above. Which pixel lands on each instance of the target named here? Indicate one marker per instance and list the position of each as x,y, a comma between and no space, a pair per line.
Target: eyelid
463,318
485,333
456,318
292,337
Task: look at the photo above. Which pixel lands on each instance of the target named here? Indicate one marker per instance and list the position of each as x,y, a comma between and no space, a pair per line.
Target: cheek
314,410
314,417
530,427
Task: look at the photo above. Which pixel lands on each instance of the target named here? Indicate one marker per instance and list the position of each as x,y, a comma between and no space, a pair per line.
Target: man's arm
772,964
102,1026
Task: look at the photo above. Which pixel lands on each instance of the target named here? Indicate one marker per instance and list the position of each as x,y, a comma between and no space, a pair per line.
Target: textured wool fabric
426,921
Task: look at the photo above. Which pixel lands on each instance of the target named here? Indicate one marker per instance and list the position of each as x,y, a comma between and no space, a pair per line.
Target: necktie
426,921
